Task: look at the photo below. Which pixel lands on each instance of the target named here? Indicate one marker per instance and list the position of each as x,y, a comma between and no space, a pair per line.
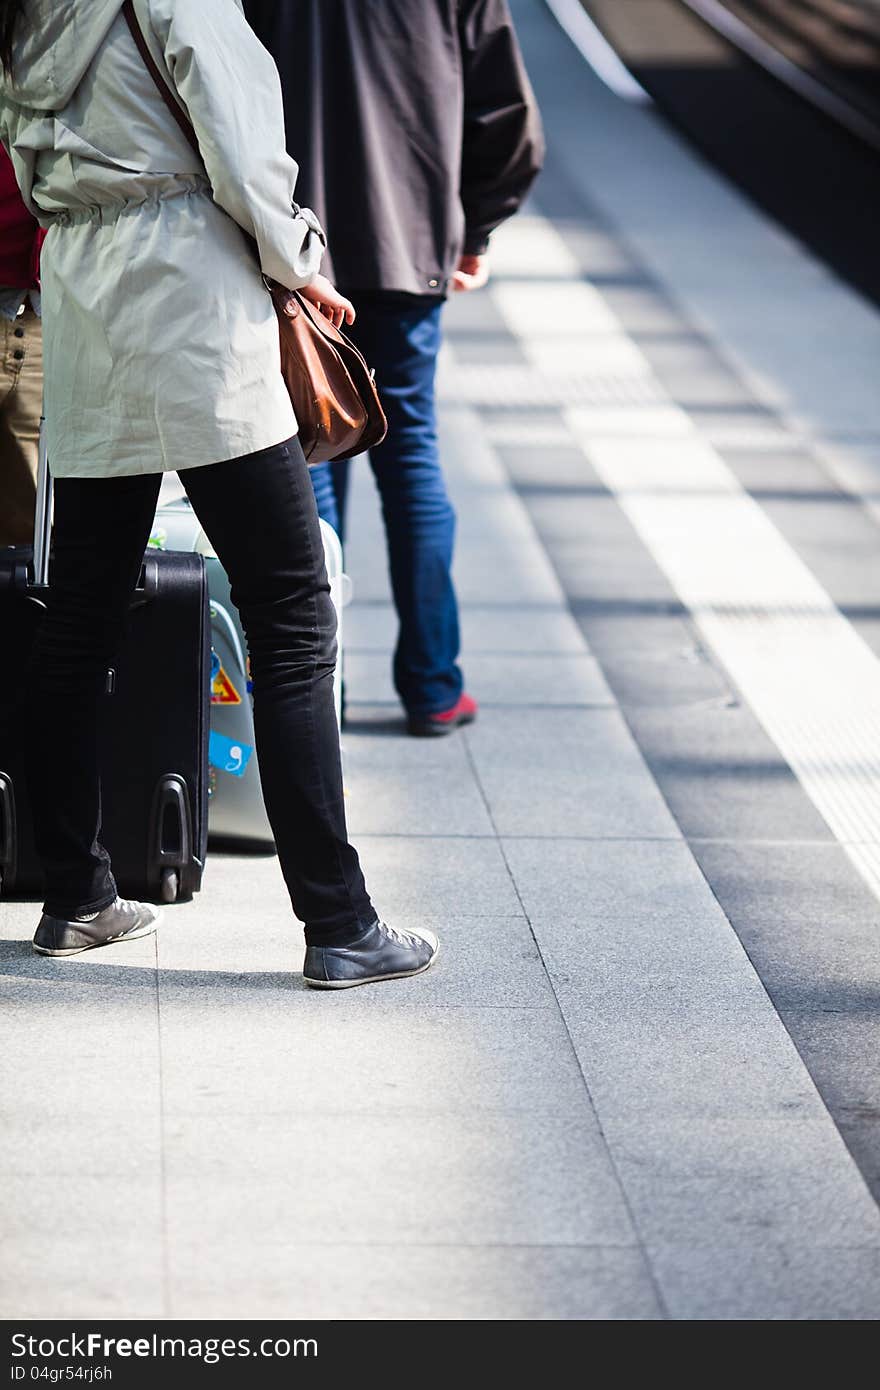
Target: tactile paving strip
806,673
515,385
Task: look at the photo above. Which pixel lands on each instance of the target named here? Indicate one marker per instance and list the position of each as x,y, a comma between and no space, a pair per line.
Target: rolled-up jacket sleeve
230,88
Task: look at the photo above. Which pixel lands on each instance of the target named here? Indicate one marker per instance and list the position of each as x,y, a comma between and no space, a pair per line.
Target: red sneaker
464,711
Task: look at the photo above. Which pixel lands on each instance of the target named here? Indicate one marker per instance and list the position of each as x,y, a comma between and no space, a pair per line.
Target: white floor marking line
803,669
592,45
534,249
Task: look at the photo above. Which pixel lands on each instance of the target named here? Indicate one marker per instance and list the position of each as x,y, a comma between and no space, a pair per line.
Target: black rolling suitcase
155,734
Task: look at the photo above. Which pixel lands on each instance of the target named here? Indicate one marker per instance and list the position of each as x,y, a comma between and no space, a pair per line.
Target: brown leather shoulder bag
331,388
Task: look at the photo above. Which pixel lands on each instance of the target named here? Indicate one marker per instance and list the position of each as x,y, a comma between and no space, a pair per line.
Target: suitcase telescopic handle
147,586
42,513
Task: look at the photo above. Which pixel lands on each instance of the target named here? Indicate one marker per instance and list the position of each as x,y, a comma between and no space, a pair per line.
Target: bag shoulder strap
162,87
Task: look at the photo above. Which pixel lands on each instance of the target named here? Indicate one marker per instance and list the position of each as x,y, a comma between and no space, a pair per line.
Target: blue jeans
401,341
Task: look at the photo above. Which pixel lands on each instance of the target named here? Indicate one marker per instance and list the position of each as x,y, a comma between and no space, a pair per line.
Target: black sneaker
121,921
382,953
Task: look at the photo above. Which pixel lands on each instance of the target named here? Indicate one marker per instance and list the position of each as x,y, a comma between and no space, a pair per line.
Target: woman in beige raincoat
161,352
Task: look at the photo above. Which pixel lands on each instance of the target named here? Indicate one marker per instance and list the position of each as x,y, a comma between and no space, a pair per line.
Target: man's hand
332,304
472,273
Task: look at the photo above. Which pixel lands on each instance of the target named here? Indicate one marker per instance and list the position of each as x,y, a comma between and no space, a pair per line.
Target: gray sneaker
121,921
382,953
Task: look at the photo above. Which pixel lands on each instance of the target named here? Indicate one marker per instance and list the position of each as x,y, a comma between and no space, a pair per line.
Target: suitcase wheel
170,886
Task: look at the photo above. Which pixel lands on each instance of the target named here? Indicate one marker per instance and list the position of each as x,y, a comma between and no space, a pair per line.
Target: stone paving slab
397,784
781,1284
450,1282
572,772
811,927
506,628
713,1122
78,1277
502,678
464,1179
280,1055
74,1041
38,1145
458,877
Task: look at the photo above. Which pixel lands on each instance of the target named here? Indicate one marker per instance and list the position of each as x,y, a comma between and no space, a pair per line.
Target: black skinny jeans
259,514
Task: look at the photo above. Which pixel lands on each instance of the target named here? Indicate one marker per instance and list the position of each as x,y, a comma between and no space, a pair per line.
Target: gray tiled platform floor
589,1109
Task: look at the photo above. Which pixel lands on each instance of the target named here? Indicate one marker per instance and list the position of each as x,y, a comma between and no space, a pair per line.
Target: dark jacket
414,126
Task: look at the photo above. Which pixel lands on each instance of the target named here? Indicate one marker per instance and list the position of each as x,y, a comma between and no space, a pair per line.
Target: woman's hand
332,304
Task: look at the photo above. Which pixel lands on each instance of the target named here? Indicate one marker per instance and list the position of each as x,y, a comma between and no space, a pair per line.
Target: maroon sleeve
21,236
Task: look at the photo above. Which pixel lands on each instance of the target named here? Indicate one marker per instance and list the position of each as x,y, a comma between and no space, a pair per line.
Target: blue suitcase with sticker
235,799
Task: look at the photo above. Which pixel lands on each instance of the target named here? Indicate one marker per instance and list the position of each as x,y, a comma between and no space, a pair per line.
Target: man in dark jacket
417,134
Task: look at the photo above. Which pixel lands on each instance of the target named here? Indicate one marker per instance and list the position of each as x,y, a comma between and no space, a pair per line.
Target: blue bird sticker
227,755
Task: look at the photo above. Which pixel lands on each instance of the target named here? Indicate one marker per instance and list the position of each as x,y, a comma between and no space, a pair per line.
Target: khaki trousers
21,401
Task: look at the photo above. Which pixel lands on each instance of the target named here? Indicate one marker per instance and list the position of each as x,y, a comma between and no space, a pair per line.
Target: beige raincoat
161,344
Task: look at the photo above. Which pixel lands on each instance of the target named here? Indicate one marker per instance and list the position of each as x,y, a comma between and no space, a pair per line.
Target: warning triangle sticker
223,692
